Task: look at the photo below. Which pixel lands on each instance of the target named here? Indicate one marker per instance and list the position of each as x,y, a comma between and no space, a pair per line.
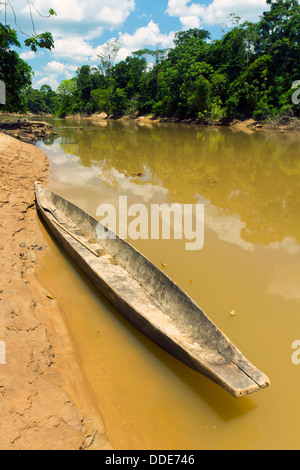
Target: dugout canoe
148,298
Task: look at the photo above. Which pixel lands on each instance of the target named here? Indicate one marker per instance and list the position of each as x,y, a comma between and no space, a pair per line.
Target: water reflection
249,182
286,282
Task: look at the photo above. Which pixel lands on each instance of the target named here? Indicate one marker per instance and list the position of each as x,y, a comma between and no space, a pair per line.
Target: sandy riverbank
280,124
45,403
283,124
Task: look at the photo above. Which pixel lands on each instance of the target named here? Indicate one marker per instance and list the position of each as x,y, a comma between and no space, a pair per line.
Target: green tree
119,102
50,98
102,99
67,92
84,86
280,39
249,72
35,102
155,57
14,72
108,55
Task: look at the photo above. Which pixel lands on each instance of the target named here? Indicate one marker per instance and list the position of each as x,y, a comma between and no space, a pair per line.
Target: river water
246,278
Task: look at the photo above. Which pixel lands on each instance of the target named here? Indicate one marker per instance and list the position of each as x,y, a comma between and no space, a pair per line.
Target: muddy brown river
246,278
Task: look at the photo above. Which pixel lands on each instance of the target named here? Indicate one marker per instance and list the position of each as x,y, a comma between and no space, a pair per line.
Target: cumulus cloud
58,68
149,35
28,55
217,11
52,74
189,22
50,80
77,23
74,48
76,27
74,16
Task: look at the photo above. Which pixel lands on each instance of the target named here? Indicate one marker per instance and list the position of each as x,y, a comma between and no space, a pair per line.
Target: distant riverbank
276,124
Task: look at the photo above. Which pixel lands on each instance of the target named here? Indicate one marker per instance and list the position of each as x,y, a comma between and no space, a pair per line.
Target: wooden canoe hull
148,299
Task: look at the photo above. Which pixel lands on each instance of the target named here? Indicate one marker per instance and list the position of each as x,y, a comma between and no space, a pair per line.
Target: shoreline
46,403
281,124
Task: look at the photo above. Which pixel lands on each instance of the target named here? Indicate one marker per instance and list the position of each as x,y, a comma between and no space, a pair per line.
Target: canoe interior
148,298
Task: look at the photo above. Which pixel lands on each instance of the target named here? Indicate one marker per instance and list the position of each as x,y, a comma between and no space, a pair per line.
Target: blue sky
83,26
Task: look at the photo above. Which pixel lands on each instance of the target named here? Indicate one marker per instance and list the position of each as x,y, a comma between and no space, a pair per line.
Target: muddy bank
26,131
279,124
44,401
31,131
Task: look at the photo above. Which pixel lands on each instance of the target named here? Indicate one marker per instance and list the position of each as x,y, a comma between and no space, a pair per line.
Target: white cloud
47,80
123,53
217,11
77,23
28,55
74,48
114,14
53,73
70,13
58,68
189,22
149,35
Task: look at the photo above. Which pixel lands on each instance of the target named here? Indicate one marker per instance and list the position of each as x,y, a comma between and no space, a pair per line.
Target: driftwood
284,123
29,131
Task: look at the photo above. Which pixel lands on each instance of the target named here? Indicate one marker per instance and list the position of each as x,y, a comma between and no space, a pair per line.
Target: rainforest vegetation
251,72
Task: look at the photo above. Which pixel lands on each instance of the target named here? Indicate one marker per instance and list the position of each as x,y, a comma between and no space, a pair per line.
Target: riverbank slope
45,402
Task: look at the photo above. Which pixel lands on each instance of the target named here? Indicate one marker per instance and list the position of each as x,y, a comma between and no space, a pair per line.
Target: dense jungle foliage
252,71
